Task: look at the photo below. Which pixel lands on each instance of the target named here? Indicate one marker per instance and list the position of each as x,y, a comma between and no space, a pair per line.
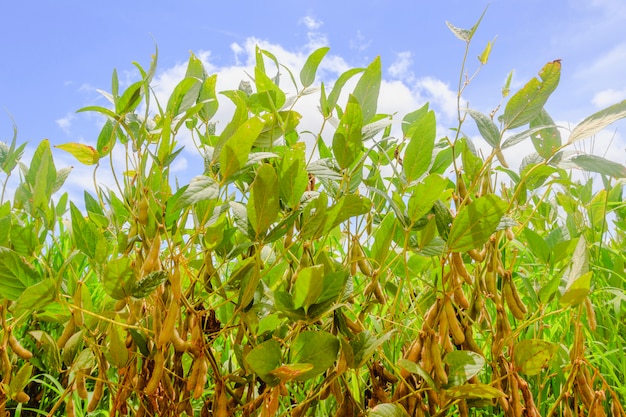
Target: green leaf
350,205
537,245
547,140
85,154
208,97
317,348
527,103
35,297
364,345
263,205
463,365
383,237
598,121
308,287
367,89
347,140
424,195
15,274
475,223
533,355
579,278
265,358
487,128
235,151
388,410
414,368
88,238
307,74
270,95
484,56
594,163
419,152
118,278
41,177
519,137
130,99
200,188
184,96
337,87
145,286
292,175
117,353
21,379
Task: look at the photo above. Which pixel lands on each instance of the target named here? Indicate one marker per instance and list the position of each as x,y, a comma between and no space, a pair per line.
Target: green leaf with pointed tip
579,277
367,89
270,95
41,177
292,175
15,274
184,96
21,379
117,352
475,223
265,358
200,188
528,102
598,121
317,348
106,138
85,154
466,35
88,238
520,137
463,365
388,410
337,87
145,286
208,97
533,355
419,152
484,56
308,287
424,195
307,74
118,278
487,128
35,297
364,345
263,205
130,99
348,206
347,140
236,150
414,368
594,163
547,140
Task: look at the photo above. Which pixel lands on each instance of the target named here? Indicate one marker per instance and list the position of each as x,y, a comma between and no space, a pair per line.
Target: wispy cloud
311,23
359,42
65,123
401,67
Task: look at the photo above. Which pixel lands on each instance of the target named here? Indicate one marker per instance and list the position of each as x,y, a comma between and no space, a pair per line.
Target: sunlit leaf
419,152
533,355
314,347
265,358
475,223
463,365
367,89
263,206
200,188
308,286
475,391
487,128
388,410
347,140
528,102
85,154
235,151
307,74
598,121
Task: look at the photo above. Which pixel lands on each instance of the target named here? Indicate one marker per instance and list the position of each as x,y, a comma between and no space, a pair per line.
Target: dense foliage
344,272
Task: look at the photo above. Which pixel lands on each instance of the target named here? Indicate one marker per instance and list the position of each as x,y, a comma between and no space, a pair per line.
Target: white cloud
65,123
611,65
438,93
359,42
400,68
311,23
608,97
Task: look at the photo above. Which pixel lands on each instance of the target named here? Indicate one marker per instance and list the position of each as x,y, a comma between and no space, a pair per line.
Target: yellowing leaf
85,154
533,355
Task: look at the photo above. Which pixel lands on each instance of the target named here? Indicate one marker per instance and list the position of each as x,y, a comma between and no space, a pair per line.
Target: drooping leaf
348,206
533,355
528,102
579,277
307,74
415,368
487,128
314,347
547,140
263,206
519,137
463,365
117,352
15,274
475,391
265,358
598,121
200,188
419,152
118,278
85,154
88,237
292,176
475,223
594,163
308,286
35,297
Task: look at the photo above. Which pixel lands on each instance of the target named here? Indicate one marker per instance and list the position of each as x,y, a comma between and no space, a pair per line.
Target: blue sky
56,54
